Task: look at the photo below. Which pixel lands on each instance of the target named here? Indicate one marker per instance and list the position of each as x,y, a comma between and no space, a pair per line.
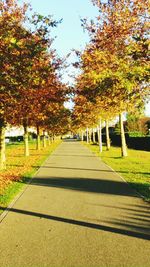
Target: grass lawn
135,168
20,169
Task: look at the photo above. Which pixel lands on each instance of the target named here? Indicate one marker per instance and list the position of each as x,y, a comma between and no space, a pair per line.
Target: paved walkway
76,212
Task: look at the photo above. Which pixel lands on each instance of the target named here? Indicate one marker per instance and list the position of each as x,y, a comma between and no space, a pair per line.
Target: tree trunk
123,139
26,140
82,136
87,135
44,139
100,136
2,146
93,136
107,135
38,144
97,133
90,135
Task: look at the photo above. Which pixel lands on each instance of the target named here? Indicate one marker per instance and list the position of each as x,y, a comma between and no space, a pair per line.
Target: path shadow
133,217
94,170
117,229
100,186
138,209
81,169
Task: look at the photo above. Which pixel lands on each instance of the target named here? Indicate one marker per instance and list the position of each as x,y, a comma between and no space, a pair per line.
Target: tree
114,65
11,18
26,66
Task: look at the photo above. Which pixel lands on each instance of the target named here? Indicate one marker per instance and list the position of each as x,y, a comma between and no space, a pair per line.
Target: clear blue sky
69,33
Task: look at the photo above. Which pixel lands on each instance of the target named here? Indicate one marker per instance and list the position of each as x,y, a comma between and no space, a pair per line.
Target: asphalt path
76,212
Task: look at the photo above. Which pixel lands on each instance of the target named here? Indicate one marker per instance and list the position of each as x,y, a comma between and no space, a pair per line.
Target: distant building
12,131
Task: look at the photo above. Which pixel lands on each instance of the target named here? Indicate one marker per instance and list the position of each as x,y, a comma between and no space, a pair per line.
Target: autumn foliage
19,167
115,64
30,84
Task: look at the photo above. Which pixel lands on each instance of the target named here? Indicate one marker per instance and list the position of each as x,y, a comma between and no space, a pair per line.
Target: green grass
135,168
9,193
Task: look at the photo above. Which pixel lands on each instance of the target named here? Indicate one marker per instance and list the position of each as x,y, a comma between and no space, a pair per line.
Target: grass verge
20,169
134,168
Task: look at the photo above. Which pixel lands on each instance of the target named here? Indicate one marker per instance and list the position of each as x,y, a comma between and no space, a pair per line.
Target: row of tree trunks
99,132
26,142
38,143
